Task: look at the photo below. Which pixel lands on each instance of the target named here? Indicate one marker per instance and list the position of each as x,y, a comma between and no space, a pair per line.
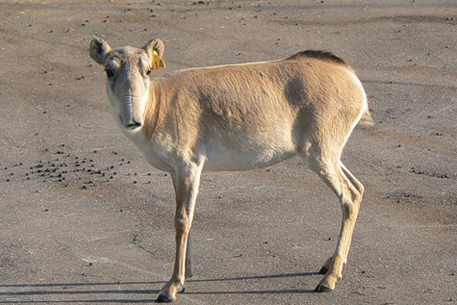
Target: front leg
189,257
189,251
186,180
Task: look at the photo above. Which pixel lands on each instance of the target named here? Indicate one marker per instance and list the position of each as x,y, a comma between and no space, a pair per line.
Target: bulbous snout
128,91
130,114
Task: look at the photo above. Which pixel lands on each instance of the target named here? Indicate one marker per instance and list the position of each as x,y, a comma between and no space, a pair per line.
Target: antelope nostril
133,125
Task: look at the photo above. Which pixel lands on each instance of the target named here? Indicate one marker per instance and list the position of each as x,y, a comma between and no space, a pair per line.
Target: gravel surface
85,220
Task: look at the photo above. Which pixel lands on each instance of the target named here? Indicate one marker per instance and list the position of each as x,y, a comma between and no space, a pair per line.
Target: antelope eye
149,71
109,73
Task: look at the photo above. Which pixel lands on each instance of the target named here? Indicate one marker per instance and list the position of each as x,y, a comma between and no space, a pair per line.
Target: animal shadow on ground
13,293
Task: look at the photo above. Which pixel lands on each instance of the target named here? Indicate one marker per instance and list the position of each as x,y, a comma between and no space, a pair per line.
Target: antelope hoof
323,288
162,298
328,283
183,289
169,291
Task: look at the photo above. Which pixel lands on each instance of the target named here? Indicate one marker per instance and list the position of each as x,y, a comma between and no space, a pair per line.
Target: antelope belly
225,159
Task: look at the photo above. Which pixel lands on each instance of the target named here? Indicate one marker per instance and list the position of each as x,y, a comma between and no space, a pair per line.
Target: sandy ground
84,219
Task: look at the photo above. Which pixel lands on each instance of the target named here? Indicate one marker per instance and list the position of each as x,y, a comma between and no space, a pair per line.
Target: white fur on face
144,101
120,114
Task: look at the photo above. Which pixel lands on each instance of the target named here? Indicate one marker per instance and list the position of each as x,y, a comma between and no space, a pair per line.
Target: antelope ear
99,49
155,45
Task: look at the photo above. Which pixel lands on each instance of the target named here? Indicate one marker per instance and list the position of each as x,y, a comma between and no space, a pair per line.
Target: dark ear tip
96,41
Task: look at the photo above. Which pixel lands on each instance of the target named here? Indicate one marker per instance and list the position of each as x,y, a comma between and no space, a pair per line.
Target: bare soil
84,218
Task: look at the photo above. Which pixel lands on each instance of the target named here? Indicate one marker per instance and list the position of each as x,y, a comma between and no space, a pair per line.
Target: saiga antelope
238,117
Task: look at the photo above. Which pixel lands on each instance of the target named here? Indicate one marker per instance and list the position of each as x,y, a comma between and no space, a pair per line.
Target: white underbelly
223,159
220,157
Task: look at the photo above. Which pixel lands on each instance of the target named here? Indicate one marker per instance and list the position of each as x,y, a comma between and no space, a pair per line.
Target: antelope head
128,70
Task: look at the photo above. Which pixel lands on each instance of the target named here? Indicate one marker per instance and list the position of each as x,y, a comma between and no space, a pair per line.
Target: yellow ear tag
157,62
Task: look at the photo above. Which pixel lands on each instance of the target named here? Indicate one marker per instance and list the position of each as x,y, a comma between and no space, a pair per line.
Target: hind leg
328,168
360,188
